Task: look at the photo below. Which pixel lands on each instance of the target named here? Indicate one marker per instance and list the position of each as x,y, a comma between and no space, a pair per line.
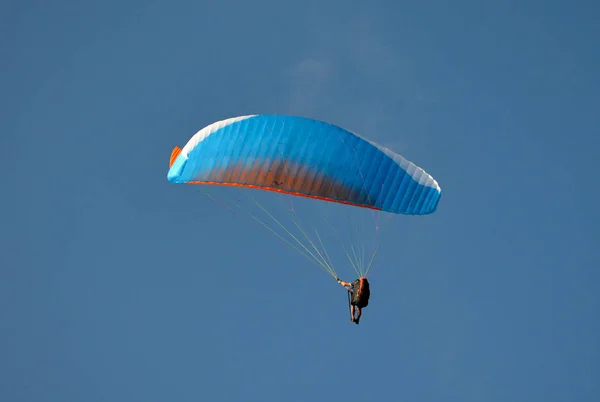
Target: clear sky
119,286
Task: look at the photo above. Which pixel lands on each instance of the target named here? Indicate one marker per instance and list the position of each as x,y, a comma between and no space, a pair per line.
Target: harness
359,291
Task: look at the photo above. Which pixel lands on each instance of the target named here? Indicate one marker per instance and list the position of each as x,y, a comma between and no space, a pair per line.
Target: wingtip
174,154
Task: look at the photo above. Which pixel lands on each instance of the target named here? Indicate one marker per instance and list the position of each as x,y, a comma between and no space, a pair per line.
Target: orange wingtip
174,154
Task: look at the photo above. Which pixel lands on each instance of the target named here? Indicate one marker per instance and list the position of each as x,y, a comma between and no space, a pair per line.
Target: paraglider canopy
304,157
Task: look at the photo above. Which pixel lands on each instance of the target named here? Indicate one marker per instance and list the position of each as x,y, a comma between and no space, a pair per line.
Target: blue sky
118,286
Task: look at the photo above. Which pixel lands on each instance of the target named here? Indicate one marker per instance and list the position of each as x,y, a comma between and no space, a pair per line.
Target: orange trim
276,190
174,154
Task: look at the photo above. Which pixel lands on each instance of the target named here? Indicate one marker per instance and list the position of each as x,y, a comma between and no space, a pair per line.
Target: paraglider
359,293
303,157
